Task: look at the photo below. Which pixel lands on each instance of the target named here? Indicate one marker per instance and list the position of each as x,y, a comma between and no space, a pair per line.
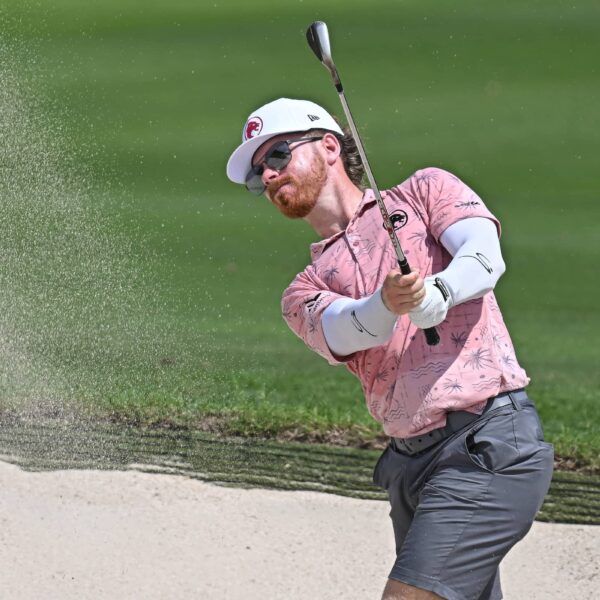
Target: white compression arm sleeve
477,264
351,325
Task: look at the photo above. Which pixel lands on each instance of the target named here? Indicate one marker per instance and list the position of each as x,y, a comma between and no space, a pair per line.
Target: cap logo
252,128
313,117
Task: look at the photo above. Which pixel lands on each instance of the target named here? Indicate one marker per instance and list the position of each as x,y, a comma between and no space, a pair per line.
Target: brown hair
350,156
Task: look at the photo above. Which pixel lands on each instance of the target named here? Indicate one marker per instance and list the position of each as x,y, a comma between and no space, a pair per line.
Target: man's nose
269,174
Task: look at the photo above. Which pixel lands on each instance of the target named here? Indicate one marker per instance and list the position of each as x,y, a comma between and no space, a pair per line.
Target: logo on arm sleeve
482,259
359,326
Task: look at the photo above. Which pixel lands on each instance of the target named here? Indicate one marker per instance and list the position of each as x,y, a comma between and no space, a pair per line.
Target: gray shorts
458,507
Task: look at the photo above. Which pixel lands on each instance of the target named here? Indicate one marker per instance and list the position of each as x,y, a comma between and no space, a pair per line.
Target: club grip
404,266
432,337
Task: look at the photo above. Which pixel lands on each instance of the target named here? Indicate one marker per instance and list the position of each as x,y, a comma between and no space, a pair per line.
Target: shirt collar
319,247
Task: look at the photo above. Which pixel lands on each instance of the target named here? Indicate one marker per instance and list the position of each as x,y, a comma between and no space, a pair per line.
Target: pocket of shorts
378,479
529,434
492,445
532,420
388,469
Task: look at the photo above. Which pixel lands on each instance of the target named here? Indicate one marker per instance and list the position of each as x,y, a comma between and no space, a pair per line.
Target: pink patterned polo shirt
409,386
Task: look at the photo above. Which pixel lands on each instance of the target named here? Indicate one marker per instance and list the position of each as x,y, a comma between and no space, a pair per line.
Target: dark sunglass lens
279,156
255,184
276,158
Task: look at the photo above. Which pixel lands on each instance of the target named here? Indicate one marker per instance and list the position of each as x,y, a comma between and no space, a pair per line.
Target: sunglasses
277,157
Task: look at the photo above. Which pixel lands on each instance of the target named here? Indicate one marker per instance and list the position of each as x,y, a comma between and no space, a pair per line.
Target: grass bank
150,287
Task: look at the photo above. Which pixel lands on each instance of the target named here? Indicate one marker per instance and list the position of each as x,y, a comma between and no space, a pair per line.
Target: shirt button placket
354,245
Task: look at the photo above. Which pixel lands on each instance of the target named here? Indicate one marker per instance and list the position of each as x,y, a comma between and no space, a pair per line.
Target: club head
318,39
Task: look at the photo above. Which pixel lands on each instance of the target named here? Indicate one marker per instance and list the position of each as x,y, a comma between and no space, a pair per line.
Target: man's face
294,189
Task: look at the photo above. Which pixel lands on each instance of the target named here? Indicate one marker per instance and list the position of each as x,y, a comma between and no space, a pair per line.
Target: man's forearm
477,264
351,325
474,270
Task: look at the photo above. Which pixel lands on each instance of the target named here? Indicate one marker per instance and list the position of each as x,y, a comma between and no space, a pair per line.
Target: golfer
467,468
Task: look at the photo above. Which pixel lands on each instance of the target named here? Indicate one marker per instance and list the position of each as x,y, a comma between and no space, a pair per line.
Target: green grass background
149,99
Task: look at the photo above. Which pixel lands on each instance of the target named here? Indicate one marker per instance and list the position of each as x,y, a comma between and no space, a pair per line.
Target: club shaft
402,262
432,337
318,39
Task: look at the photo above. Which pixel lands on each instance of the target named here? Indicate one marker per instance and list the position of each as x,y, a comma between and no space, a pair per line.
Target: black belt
455,421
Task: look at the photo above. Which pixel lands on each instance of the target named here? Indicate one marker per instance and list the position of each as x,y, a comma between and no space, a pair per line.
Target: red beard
295,199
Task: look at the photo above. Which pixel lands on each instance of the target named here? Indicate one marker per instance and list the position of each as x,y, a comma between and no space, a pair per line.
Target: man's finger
404,307
406,280
409,289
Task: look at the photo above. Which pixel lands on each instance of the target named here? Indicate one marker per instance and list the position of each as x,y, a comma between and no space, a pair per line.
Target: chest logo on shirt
398,218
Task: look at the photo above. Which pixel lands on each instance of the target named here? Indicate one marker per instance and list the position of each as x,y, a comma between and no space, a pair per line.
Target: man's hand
402,293
426,301
434,307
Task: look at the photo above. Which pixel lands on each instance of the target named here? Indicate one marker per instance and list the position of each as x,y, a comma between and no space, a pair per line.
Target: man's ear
332,146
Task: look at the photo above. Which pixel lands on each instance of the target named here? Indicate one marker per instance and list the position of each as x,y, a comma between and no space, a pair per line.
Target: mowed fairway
149,100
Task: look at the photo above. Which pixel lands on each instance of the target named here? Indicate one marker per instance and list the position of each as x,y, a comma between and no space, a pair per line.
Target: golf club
318,39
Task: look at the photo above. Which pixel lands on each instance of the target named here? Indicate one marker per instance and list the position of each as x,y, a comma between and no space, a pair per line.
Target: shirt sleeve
302,304
445,200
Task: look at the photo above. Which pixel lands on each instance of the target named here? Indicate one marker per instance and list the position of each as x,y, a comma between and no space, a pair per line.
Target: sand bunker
102,534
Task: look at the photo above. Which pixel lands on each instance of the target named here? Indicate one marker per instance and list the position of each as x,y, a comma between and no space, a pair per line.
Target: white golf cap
280,116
